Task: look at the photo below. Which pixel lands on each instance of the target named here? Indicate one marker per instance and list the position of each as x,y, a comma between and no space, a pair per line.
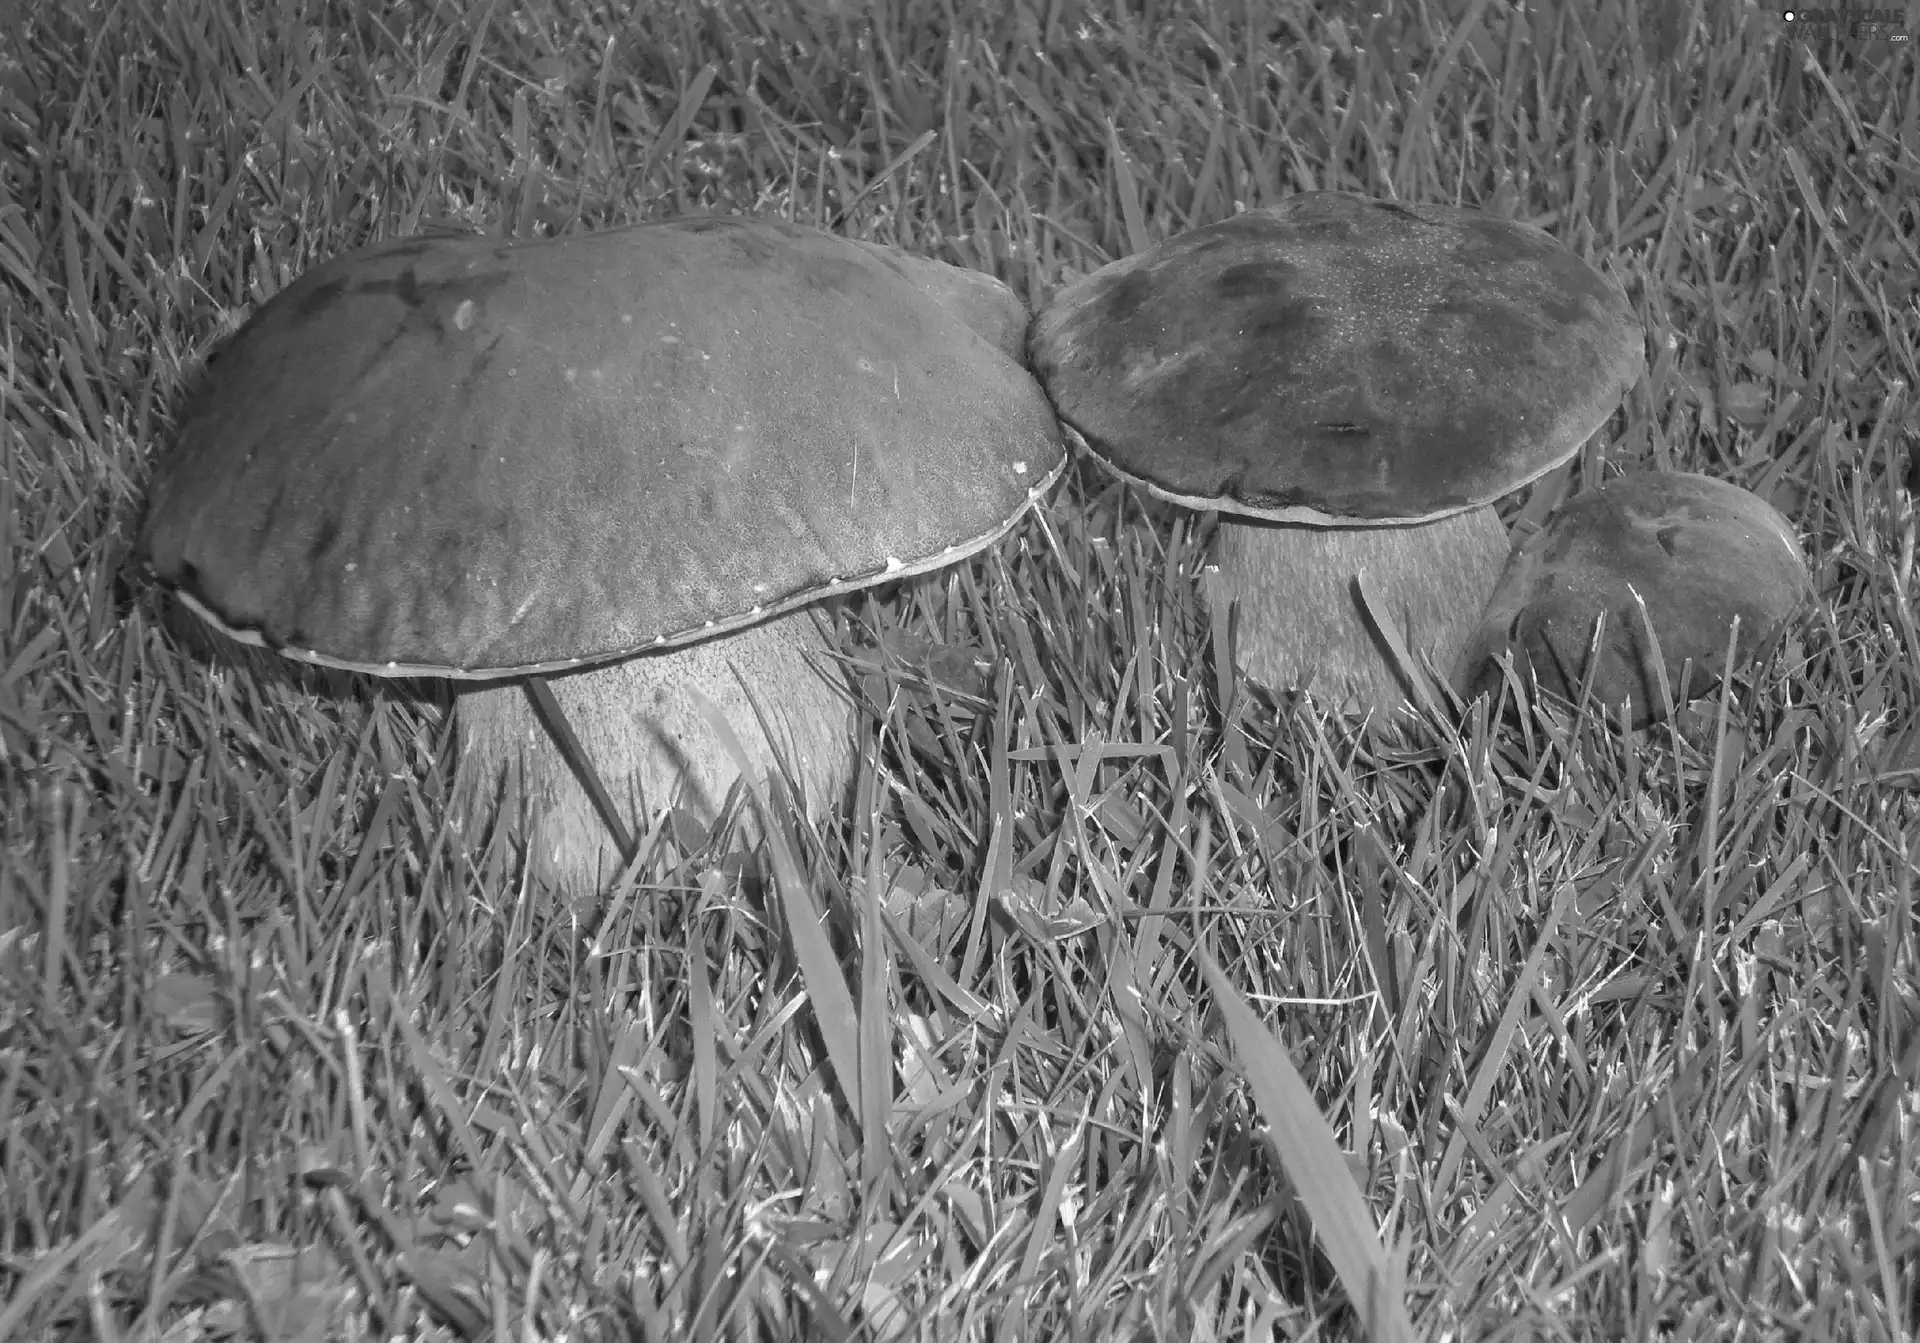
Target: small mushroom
624,460
1698,552
1351,382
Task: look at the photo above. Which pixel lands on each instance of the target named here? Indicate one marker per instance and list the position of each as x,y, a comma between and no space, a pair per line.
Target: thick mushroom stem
652,746
1301,619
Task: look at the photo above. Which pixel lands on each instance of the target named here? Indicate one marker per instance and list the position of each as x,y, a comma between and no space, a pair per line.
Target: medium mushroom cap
1336,358
455,456
1698,552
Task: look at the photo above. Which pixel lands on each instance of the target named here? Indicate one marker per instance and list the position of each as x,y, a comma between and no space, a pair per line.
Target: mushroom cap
1339,359
994,311
455,456
1698,551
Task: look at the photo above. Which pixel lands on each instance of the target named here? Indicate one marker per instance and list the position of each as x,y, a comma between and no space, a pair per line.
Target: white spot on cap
1019,468
464,314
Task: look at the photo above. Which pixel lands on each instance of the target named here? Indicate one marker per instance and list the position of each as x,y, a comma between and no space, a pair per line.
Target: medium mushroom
1351,383
627,461
1699,553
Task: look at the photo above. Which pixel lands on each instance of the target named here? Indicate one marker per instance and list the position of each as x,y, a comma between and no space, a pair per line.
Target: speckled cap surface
993,311
1336,358
1698,552
454,456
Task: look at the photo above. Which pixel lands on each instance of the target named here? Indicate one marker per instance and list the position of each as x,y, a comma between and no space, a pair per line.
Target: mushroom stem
552,717
1301,617
645,735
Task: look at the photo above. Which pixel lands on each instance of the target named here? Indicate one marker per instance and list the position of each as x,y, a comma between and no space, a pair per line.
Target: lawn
1616,1031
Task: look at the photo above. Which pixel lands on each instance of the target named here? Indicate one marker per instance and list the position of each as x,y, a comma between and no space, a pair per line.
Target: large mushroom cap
993,311
1335,358
459,457
1698,552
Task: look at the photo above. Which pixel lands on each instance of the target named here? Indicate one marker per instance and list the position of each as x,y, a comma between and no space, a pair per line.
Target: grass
1618,1031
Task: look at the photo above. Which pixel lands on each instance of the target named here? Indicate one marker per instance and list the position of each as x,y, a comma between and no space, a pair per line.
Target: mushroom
1358,379
635,456
1695,552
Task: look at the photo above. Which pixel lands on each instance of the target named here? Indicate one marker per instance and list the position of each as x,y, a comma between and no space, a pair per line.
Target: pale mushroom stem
554,719
1301,618
653,747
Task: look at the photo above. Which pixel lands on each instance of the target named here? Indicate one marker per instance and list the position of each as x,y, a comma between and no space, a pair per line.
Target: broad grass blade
1314,1162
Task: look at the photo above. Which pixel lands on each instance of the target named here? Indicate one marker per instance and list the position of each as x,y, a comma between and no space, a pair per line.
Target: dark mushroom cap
454,456
1335,358
1698,552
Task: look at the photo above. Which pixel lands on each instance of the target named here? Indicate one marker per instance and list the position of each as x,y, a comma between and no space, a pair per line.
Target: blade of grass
548,710
1305,1144
820,972
899,161
1128,190
675,133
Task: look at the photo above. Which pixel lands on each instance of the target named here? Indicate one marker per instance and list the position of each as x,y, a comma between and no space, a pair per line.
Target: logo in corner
1860,24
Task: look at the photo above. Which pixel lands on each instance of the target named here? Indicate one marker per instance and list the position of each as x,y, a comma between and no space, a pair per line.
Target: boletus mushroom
626,461
1696,553
1351,382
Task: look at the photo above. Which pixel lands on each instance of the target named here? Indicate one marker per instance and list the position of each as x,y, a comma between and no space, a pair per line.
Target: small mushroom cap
459,457
1699,552
1336,358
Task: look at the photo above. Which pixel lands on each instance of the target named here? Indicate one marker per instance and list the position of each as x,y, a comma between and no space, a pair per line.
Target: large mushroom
625,461
1351,383
1681,555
